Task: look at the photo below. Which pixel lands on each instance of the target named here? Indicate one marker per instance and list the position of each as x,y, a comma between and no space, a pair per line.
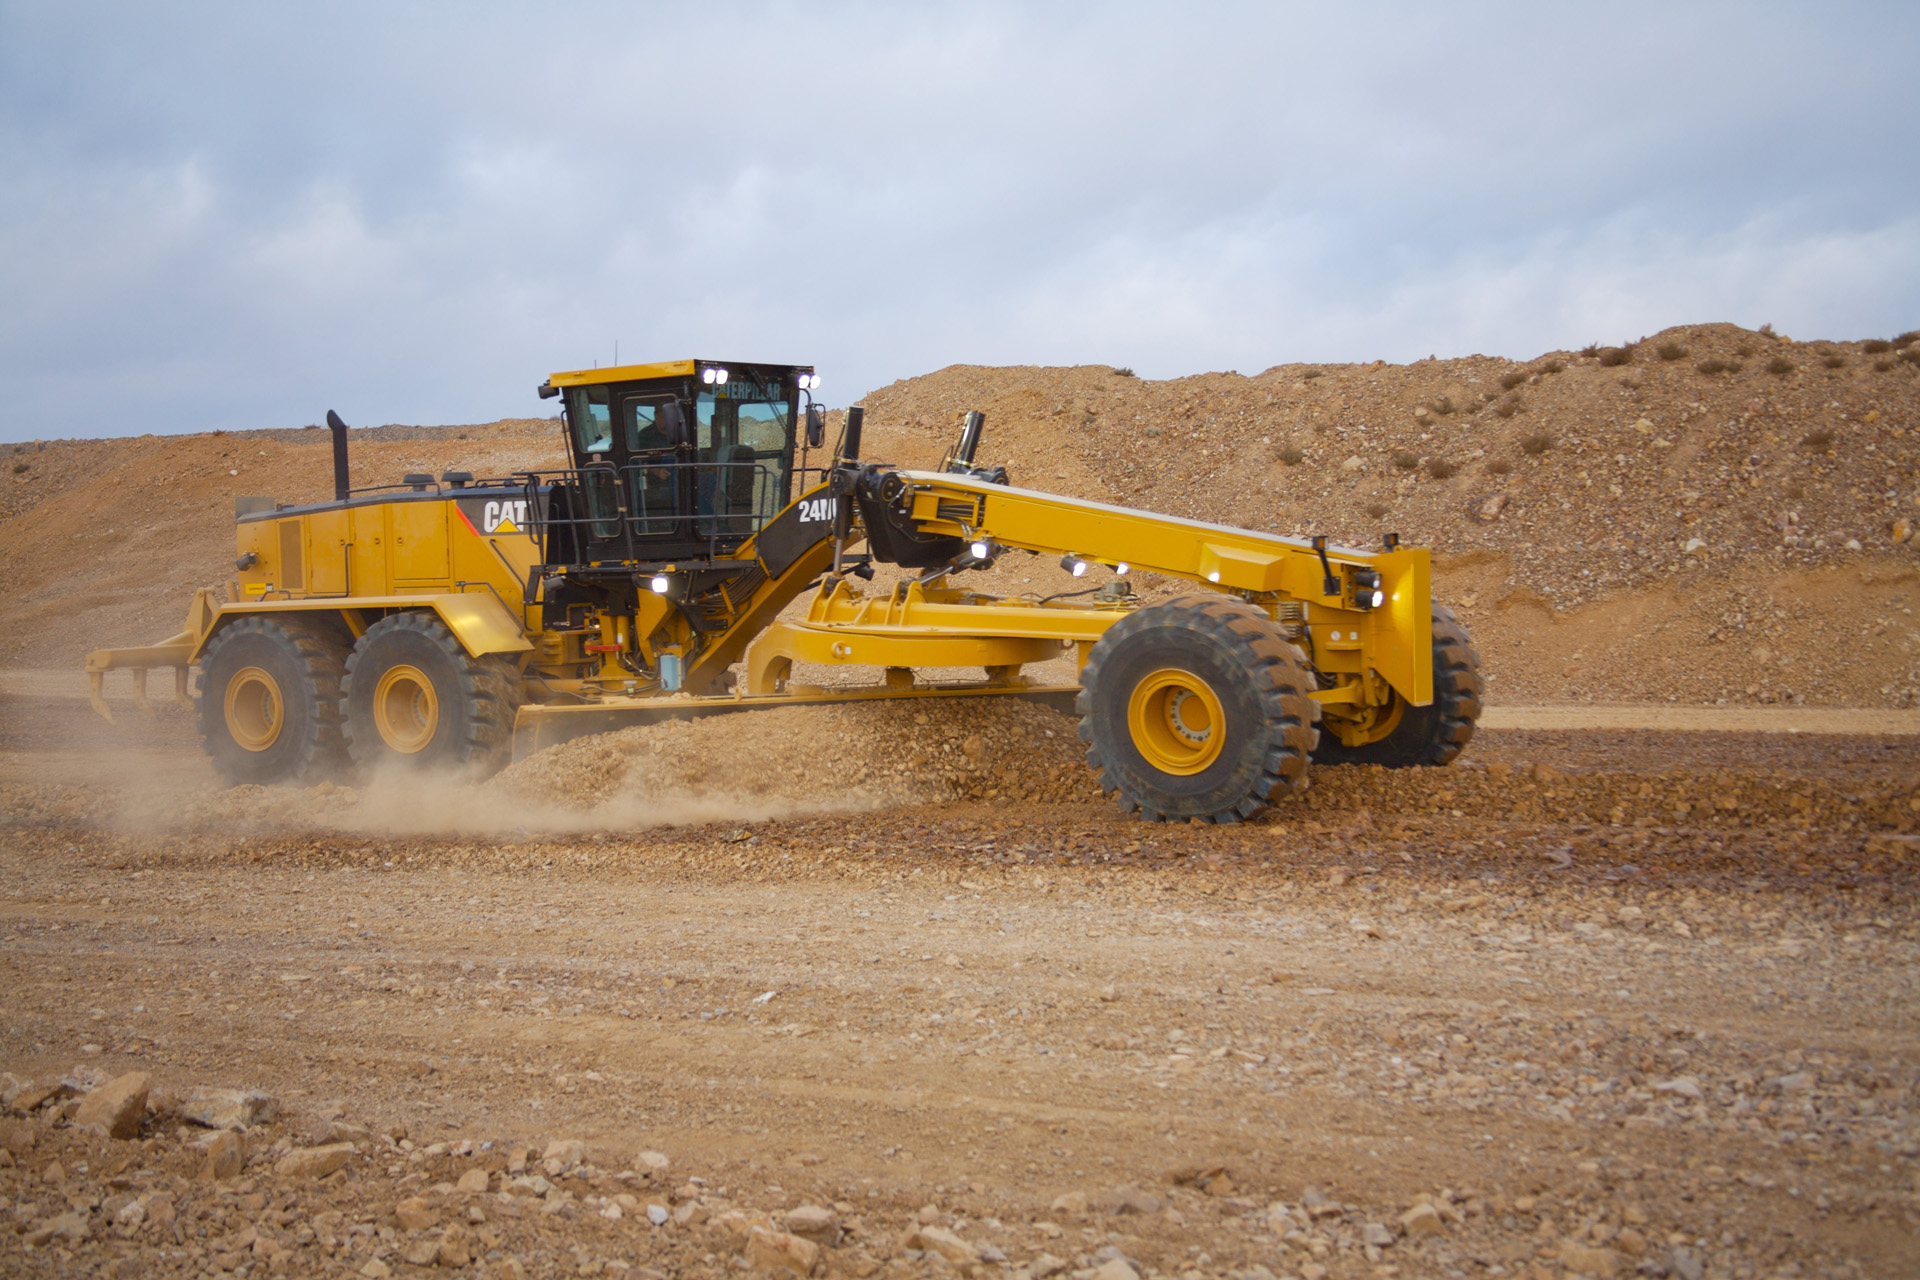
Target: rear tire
1197,707
269,704
1436,733
413,697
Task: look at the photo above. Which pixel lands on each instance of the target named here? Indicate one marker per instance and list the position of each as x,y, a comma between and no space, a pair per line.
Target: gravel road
1466,1022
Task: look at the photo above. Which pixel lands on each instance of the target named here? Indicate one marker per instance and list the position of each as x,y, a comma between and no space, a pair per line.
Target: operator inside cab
698,456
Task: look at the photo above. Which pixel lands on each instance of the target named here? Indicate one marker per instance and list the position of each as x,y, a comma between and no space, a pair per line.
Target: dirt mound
1614,526
791,758
1733,523
1590,474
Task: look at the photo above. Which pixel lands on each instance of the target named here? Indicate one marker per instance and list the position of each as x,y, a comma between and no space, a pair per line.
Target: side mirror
816,426
672,422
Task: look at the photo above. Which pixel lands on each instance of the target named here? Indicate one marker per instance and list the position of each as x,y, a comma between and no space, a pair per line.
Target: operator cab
683,460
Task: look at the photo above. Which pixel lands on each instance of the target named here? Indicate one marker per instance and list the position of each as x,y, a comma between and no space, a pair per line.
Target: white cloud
239,222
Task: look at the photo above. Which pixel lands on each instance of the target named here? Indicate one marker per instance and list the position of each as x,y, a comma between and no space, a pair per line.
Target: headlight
1379,598
660,584
1074,565
981,550
1123,568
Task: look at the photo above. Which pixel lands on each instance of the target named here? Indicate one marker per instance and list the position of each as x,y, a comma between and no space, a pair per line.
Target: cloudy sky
240,216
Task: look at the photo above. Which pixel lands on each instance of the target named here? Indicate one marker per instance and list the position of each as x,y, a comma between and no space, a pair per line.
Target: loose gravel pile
857,756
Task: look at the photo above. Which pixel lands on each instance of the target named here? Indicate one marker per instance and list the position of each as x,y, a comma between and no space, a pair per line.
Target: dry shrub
1376,510
1311,374
1405,461
1509,406
1744,350
19,468
1554,366
1499,467
1780,366
1876,346
1443,406
1902,341
1124,373
1883,366
1514,379
1834,361
1535,445
1671,351
1590,350
1910,354
1765,330
1292,456
1820,441
1712,365
1612,357
1440,468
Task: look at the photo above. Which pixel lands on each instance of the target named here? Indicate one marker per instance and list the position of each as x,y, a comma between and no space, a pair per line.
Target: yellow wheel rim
405,709
254,709
1176,721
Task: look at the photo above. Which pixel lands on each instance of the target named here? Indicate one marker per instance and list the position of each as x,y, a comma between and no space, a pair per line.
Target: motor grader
453,623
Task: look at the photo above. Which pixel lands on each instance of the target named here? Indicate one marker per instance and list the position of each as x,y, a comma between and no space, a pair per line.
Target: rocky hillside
1708,515
1752,497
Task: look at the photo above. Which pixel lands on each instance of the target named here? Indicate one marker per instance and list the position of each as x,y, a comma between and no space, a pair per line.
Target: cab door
657,478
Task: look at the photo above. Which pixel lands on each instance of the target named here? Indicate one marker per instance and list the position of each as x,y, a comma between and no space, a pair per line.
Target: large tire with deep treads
1436,733
1197,707
269,704
414,698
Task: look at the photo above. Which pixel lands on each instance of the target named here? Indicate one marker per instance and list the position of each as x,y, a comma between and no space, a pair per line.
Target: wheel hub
406,710
1176,721
254,709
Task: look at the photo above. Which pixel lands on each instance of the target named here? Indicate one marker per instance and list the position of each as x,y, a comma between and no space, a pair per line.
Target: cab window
591,417
643,430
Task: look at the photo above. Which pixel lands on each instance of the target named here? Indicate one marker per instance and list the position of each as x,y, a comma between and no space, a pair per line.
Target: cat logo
503,517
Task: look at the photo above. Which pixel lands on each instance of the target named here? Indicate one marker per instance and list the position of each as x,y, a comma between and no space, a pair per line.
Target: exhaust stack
339,429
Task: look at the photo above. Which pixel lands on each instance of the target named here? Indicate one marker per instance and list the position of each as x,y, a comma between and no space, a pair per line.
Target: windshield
740,427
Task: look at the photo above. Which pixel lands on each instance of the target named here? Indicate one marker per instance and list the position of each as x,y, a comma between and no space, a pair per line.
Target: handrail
614,508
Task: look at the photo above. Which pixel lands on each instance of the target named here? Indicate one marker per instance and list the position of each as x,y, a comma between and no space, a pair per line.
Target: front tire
1197,707
1436,733
413,697
269,704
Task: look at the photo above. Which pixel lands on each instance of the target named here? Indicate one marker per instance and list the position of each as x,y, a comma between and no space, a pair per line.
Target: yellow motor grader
455,623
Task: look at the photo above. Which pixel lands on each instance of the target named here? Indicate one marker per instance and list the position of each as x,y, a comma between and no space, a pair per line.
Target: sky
243,215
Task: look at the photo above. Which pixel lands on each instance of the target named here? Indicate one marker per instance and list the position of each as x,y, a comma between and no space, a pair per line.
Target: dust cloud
776,763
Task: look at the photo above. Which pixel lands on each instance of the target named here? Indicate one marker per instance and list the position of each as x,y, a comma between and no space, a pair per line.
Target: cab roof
661,369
